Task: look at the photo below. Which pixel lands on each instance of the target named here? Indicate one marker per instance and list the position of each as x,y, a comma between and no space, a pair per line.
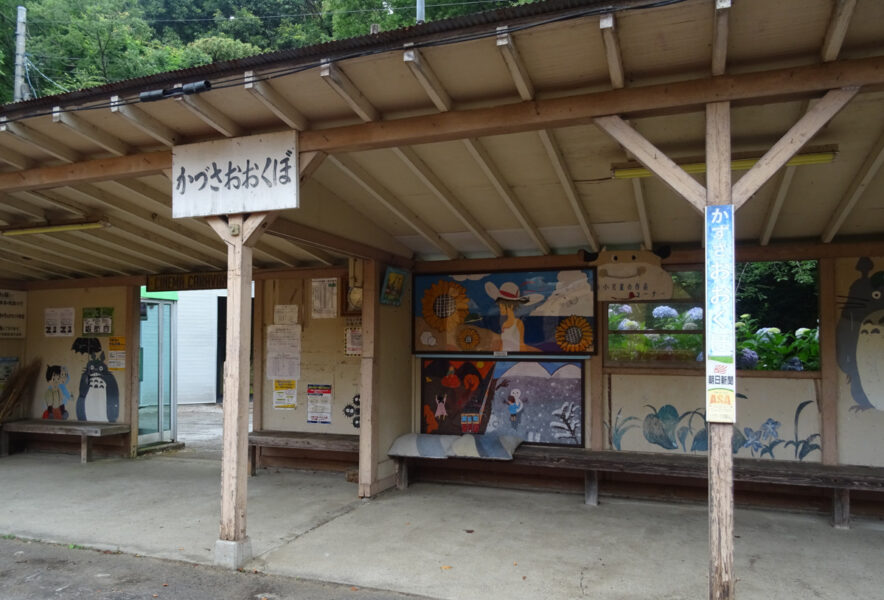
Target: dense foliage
72,45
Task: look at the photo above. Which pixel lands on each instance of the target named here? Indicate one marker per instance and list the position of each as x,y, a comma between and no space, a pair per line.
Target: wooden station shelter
526,139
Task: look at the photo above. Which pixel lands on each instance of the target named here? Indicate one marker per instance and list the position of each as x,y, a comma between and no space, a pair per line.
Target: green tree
780,294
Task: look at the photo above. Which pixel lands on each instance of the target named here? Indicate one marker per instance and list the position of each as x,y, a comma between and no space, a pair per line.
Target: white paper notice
283,352
325,298
354,341
58,322
285,314
285,394
319,404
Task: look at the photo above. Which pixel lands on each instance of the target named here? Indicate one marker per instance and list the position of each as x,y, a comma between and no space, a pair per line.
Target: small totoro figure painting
99,395
860,336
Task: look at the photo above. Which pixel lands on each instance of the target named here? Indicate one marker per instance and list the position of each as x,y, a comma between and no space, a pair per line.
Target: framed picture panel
539,401
515,312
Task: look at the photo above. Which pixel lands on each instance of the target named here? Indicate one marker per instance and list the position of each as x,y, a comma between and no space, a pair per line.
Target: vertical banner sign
13,313
721,392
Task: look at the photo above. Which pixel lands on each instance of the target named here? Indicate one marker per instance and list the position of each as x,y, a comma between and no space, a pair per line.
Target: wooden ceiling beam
773,211
90,132
71,209
203,247
210,115
781,152
613,54
37,249
347,90
567,181
39,140
172,251
427,79
638,193
552,113
483,159
858,185
59,245
720,32
38,271
275,102
444,195
842,13
514,63
655,160
115,261
128,249
146,123
134,165
393,204
308,163
23,206
16,159
288,229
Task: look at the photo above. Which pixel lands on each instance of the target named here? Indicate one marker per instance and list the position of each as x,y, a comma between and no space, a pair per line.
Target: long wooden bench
86,430
298,440
840,478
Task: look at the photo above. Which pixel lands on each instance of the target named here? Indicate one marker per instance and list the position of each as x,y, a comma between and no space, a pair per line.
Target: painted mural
539,401
860,337
537,312
98,394
773,419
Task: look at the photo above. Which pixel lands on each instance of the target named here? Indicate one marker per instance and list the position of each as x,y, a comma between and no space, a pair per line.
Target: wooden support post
369,452
240,233
721,490
591,488
841,509
402,473
133,347
85,448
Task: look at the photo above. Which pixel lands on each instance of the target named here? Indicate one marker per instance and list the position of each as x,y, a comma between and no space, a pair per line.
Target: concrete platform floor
439,541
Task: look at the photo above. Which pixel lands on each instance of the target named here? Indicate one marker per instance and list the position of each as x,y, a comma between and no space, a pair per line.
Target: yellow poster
285,394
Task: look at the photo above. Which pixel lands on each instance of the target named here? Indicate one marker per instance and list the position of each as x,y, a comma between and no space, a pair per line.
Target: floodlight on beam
738,164
55,227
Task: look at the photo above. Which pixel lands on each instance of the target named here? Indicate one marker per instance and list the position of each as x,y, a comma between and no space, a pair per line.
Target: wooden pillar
368,401
240,233
828,396
133,351
721,492
597,389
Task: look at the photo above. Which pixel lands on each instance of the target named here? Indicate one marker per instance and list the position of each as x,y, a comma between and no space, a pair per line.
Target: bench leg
591,488
401,474
253,460
85,448
4,443
841,509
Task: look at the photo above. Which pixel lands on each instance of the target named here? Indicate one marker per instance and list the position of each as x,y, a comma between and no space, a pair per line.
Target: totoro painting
860,335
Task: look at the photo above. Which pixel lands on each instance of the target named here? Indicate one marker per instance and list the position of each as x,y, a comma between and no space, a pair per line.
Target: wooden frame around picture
548,312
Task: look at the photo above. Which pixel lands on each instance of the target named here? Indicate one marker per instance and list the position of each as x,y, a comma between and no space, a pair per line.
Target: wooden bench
840,478
86,430
299,440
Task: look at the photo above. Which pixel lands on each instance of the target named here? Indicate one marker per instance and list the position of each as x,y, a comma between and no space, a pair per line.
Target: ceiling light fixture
738,164
55,228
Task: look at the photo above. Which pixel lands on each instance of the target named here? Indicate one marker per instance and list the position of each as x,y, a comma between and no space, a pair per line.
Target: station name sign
248,174
179,282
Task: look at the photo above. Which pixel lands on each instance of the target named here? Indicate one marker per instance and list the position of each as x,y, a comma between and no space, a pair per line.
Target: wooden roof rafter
90,132
284,110
347,90
720,36
39,140
210,115
144,122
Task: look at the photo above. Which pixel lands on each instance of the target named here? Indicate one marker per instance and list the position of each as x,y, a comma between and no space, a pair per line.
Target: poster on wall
325,298
285,394
58,322
283,356
520,312
353,341
539,401
13,313
116,353
8,364
319,404
285,314
98,320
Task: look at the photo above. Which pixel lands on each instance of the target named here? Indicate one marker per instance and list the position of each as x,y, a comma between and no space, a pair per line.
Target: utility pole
20,92
420,11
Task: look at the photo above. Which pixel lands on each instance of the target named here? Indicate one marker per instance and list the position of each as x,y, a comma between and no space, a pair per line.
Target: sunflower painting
529,312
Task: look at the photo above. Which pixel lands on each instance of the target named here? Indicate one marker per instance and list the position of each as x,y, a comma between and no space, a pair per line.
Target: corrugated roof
426,34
